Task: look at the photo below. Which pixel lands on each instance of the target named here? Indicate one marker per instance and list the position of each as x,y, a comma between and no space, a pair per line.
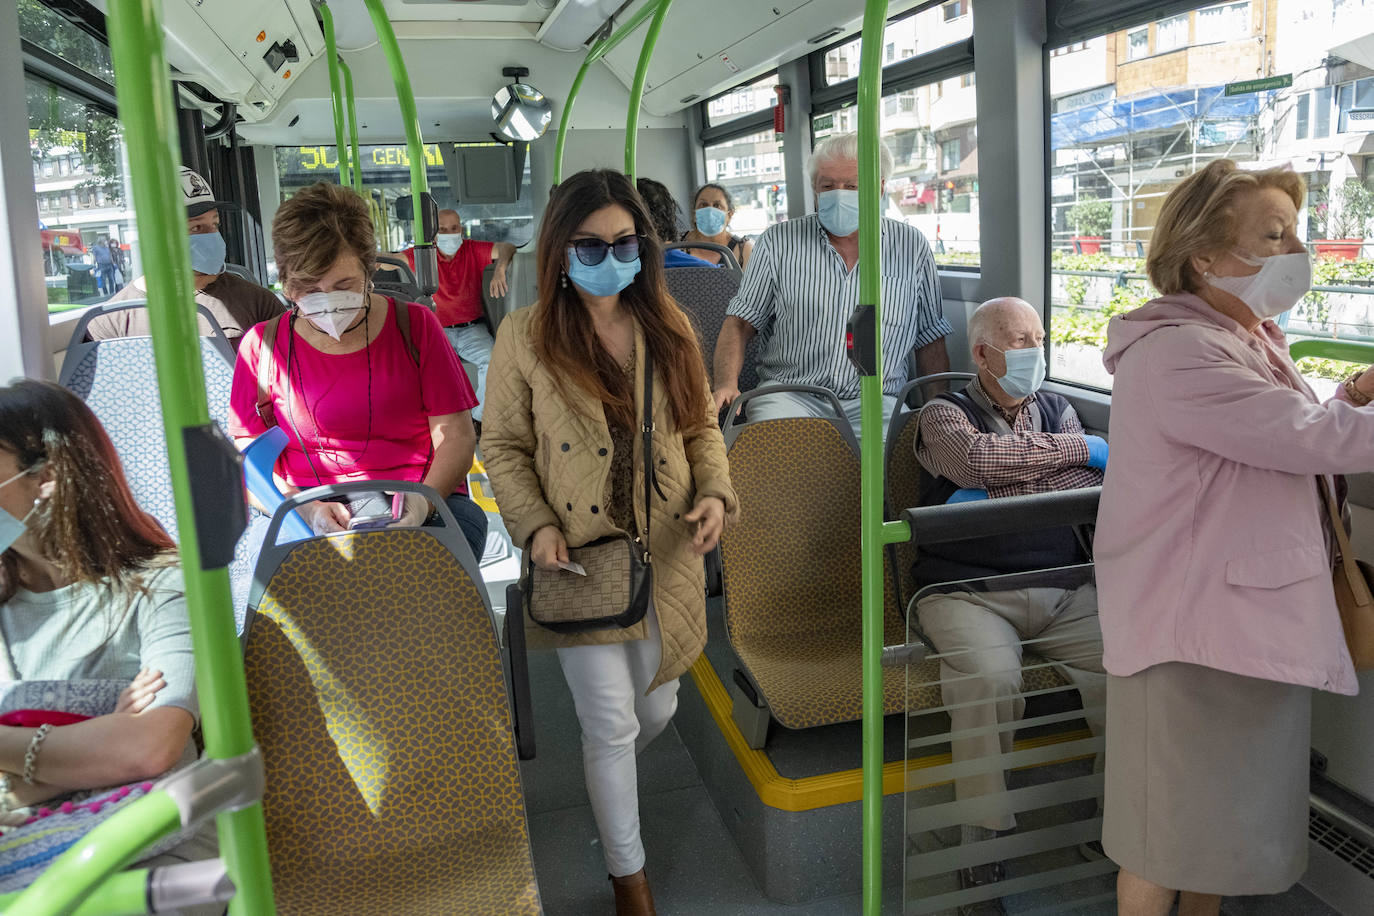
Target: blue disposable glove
966,495
1097,452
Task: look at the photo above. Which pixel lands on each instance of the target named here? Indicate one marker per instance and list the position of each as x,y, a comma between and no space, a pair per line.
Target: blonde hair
1199,218
314,226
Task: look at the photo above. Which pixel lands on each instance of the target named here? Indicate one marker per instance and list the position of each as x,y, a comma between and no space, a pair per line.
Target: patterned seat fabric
792,573
705,293
117,379
392,783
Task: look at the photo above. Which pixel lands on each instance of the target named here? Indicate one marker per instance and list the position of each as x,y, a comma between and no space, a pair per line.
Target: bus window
1135,110
84,215
905,37
750,168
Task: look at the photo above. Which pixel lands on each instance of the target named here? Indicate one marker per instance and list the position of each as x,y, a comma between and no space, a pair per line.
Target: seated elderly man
1002,436
802,285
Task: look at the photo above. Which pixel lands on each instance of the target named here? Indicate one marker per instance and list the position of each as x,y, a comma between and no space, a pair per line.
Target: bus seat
728,262
117,378
239,270
902,472
393,276
792,570
391,773
704,293
494,308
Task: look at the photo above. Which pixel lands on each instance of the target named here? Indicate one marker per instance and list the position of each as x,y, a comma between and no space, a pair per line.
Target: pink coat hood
1211,542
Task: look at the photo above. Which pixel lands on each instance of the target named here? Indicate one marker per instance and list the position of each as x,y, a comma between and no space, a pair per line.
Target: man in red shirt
459,299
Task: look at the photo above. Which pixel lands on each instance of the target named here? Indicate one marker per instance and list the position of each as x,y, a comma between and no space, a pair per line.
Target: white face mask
333,312
448,243
1282,280
1025,371
11,528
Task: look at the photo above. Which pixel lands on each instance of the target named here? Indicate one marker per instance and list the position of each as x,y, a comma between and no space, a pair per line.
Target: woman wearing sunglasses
561,440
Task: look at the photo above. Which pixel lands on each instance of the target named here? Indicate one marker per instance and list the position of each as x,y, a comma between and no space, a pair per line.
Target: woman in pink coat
1213,555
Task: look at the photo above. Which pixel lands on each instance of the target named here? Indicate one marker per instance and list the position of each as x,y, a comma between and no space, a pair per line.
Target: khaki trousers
980,635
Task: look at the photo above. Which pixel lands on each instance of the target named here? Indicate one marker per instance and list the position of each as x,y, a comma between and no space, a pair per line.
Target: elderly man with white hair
1003,436
801,288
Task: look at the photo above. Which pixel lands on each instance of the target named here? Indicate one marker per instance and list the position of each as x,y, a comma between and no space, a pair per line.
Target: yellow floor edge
811,792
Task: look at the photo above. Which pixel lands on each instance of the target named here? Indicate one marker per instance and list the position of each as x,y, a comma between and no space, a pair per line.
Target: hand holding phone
372,510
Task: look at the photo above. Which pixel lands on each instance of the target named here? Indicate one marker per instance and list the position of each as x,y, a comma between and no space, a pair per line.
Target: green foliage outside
1090,216
1352,209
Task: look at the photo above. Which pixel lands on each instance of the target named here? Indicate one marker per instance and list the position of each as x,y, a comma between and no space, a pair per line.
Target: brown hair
1199,218
729,201
314,225
90,527
564,337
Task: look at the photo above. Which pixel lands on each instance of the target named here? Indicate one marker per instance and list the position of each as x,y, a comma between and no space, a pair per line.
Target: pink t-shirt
363,415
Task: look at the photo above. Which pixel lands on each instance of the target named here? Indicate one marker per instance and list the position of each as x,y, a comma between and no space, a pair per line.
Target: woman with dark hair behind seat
664,212
561,441
365,387
712,210
90,589
1212,549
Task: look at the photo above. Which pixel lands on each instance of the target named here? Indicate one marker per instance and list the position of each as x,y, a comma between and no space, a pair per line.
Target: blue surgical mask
604,279
1025,371
11,528
710,221
839,211
448,243
207,252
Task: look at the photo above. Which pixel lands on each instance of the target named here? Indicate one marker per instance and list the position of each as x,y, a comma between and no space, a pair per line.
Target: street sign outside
1245,87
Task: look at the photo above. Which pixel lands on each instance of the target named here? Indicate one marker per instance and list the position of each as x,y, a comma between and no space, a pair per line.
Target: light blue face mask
207,252
11,528
604,279
710,221
448,243
839,211
1025,371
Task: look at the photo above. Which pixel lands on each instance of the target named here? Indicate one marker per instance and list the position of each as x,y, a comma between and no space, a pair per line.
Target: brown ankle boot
632,895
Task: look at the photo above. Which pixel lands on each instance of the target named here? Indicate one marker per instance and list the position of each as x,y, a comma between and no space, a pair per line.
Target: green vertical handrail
871,450
599,50
410,117
124,894
148,116
331,53
355,159
646,52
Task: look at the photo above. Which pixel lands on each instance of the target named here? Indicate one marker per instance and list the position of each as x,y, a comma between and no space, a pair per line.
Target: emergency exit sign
1245,87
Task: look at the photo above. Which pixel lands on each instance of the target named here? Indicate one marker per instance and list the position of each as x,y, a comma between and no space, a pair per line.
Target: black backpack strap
266,363
402,313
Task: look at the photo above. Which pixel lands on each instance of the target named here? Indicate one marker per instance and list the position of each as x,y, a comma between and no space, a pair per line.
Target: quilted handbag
1354,599
50,830
618,585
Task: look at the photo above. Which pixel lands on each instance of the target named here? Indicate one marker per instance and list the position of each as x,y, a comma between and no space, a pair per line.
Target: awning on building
1113,120
1357,50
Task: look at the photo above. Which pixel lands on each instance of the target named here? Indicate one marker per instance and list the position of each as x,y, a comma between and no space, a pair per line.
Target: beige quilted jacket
548,454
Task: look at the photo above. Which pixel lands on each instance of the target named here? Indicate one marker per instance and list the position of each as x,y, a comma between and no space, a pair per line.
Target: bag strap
647,427
266,357
402,312
1359,588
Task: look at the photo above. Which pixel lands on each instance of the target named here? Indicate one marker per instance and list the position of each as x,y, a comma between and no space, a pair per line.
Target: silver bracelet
31,755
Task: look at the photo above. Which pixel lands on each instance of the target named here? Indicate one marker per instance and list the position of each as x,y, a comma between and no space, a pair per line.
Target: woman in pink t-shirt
356,399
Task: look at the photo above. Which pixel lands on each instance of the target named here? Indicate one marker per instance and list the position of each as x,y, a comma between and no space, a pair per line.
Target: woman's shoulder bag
1351,580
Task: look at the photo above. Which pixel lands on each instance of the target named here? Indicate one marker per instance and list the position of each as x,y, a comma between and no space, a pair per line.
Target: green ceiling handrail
331,53
355,159
599,50
646,52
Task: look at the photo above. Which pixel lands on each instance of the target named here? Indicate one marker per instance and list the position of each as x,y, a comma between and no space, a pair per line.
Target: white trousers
618,721
473,343
786,404
981,635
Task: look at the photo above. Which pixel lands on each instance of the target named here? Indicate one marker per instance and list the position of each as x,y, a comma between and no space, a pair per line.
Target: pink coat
1211,542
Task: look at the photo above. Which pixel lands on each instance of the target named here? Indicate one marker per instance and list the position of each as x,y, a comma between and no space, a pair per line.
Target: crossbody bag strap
647,428
1359,588
266,361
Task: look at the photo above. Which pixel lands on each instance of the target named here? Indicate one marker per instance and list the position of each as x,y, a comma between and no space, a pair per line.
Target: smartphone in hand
371,510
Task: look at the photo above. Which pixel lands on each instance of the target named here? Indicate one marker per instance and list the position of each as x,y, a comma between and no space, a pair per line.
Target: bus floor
694,866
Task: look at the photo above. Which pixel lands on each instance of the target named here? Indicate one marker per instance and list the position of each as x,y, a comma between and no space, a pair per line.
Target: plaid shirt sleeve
949,446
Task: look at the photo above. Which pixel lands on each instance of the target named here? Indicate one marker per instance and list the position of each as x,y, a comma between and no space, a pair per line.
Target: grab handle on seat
1008,515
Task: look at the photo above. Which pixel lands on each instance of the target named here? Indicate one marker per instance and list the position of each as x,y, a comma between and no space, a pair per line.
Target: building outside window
1171,33
750,169
1138,43
1225,22
742,100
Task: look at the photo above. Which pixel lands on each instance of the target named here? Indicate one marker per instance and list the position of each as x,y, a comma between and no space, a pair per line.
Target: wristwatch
1352,391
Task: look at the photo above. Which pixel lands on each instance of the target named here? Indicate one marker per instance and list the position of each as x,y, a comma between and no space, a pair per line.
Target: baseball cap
199,197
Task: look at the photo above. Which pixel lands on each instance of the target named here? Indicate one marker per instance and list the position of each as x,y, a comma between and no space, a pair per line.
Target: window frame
1173,21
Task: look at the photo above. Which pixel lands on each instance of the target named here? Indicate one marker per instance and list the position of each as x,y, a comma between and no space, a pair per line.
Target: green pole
598,51
637,89
871,451
106,849
331,53
355,159
148,116
123,894
1352,351
410,117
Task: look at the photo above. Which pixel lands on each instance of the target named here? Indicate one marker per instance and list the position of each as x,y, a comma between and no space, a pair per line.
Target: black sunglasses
593,251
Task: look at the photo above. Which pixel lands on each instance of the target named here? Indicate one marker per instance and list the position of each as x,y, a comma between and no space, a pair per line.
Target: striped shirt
798,294
1026,461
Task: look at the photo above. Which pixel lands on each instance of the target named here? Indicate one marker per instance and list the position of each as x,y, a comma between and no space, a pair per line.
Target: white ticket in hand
573,568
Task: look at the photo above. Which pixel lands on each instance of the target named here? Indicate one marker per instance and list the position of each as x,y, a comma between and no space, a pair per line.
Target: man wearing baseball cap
236,303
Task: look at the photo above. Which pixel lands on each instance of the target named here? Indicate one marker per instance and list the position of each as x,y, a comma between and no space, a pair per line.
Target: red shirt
459,299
